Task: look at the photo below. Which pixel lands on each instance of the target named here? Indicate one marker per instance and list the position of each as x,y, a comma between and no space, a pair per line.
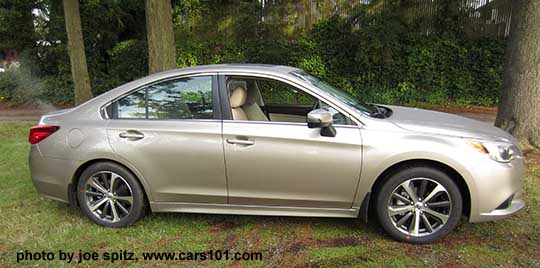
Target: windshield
341,95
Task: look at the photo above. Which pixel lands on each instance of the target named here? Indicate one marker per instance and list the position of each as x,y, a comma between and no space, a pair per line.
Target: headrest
238,97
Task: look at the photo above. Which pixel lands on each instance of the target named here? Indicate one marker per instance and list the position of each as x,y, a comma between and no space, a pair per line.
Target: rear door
170,131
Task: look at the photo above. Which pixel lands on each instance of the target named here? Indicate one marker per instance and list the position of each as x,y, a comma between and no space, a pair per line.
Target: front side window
261,99
274,92
184,98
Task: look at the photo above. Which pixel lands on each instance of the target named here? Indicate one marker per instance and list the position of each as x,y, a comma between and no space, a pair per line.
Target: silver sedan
272,140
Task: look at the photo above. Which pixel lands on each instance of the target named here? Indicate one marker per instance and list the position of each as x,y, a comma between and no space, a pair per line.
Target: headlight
499,151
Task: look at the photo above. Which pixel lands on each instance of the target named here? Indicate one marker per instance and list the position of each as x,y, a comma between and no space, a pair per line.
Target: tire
121,205
436,217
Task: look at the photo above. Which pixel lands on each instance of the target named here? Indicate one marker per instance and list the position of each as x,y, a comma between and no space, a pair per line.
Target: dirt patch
223,226
532,156
349,241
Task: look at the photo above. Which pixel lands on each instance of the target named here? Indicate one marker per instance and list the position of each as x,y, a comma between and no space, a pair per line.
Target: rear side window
184,98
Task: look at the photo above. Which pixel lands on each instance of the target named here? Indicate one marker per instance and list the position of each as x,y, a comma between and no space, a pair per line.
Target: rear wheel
419,205
110,195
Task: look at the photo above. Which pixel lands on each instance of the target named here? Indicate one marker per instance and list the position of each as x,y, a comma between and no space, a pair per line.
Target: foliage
18,86
381,62
377,56
16,29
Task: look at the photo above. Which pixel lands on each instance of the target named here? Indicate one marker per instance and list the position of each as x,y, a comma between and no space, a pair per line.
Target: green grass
29,222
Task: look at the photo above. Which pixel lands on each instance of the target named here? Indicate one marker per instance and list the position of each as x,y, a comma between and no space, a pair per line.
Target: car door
170,131
285,163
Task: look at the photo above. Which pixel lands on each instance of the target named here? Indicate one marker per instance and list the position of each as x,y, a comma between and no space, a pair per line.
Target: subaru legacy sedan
272,140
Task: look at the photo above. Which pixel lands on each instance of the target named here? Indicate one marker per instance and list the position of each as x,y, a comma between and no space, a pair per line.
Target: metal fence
478,18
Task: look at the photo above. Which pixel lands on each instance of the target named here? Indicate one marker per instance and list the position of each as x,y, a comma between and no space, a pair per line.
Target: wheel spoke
410,191
96,205
404,219
122,208
395,210
106,209
97,185
96,194
439,204
114,211
103,177
113,179
426,223
402,198
128,199
414,228
422,190
438,189
441,217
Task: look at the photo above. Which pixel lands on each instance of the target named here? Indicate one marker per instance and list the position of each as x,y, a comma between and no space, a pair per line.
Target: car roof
214,68
236,67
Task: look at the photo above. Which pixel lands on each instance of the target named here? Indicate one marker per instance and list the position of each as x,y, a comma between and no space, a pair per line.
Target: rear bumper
51,176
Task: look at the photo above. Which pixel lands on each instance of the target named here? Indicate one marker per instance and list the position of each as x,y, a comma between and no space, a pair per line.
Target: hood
440,123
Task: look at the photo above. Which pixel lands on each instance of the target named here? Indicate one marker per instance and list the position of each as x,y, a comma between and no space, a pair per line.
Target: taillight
39,133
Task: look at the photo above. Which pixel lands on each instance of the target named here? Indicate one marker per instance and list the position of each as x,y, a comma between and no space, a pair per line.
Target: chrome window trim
167,120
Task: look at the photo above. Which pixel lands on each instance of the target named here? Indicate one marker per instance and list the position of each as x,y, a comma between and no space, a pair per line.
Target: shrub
19,86
376,58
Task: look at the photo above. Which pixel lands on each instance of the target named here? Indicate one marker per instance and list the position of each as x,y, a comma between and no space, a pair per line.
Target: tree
519,107
16,28
160,36
77,57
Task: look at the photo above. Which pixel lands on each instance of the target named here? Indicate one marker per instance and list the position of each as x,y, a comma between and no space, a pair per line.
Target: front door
276,160
170,132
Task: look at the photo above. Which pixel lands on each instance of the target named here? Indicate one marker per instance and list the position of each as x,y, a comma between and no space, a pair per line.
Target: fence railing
478,18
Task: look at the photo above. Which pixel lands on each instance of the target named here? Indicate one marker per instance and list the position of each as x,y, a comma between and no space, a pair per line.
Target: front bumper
515,206
498,190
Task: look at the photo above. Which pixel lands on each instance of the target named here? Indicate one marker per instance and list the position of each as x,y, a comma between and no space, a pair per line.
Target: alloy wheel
108,196
419,207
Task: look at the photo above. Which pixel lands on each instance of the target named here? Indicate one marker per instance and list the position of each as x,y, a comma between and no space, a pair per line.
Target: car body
208,162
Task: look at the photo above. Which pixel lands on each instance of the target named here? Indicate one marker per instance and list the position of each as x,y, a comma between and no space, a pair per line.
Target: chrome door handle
132,135
241,142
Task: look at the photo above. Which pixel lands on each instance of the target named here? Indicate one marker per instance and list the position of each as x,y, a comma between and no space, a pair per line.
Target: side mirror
322,118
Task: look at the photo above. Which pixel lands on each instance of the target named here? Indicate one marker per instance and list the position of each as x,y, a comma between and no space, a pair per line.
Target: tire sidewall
138,206
418,172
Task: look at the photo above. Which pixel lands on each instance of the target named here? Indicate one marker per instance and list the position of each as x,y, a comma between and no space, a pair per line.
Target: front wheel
419,205
110,195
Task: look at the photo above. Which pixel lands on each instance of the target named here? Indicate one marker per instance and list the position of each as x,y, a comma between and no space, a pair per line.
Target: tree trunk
519,107
79,70
160,35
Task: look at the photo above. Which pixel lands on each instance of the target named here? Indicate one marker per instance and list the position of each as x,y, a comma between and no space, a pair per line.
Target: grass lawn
30,222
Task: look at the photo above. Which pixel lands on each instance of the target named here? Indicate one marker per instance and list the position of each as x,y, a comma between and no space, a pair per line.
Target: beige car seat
244,105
